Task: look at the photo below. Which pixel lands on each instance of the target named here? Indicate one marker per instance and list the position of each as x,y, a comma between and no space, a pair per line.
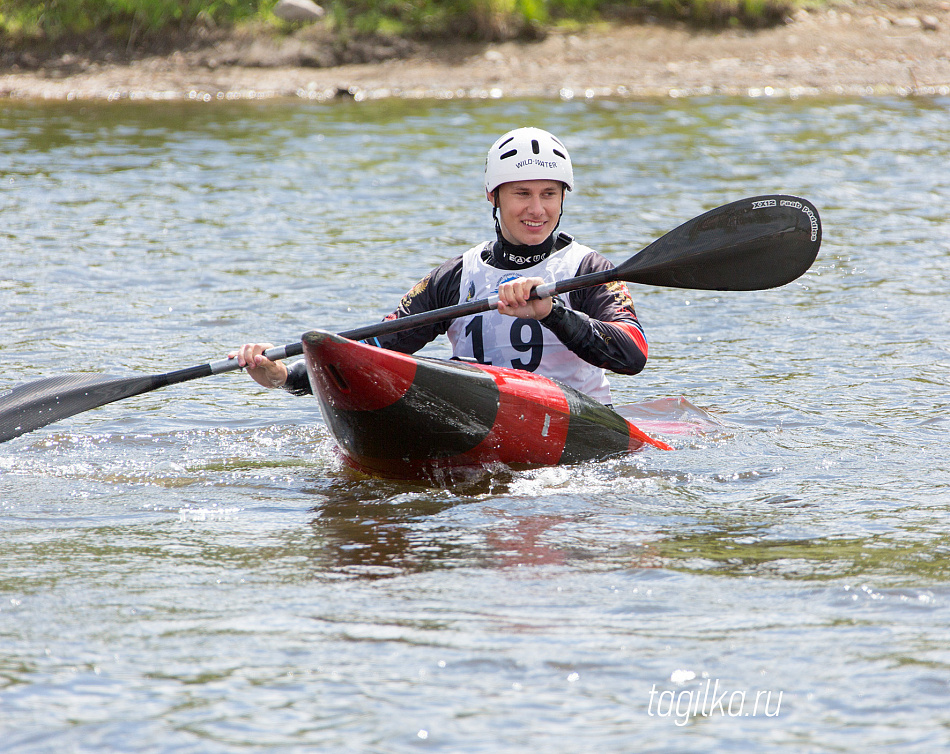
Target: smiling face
528,211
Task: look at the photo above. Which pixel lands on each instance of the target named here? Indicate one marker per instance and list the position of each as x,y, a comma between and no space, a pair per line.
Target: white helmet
527,154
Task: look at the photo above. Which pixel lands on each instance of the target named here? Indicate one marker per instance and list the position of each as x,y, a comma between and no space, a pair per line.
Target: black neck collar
510,256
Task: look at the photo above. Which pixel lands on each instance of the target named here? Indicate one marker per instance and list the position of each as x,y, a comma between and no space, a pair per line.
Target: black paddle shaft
41,402
751,244
748,245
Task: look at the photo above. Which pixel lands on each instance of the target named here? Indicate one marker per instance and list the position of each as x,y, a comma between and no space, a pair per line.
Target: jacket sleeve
298,381
602,327
438,289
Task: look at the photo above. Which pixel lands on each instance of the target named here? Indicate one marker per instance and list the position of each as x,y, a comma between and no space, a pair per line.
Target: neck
510,256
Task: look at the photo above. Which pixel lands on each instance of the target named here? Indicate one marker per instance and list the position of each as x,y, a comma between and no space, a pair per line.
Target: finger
514,295
249,354
259,357
531,284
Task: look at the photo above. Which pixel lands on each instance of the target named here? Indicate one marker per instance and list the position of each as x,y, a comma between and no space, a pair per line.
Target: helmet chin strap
494,212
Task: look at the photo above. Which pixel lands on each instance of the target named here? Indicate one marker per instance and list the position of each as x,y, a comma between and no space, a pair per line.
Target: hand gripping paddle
752,244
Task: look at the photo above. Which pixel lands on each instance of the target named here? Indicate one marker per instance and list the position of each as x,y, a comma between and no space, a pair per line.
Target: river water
192,570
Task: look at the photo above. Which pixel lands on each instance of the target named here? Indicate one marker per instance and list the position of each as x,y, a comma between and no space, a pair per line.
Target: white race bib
493,338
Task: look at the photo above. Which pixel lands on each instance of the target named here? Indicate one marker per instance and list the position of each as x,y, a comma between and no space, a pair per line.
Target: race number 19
533,344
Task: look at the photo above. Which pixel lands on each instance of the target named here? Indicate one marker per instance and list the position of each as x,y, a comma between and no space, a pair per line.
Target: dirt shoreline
858,48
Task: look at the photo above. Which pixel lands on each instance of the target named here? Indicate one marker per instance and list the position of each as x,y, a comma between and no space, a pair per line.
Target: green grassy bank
145,24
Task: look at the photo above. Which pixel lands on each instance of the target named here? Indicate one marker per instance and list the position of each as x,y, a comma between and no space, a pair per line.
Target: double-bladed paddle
752,244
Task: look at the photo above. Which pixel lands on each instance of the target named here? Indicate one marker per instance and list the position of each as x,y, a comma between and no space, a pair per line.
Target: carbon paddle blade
748,245
752,244
36,404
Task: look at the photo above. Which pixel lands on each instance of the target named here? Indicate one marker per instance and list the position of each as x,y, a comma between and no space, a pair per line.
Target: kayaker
575,339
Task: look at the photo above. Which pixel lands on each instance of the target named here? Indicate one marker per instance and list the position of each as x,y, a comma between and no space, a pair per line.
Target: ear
490,196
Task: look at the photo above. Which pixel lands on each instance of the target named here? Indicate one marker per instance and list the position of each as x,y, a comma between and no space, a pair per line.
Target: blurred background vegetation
154,24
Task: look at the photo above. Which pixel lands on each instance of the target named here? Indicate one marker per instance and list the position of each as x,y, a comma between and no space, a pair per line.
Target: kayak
408,417
416,415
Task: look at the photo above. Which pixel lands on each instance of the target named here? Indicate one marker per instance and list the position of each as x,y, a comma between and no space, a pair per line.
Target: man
574,340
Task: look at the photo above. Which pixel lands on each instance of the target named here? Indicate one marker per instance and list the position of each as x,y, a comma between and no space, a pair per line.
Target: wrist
278,378
555,314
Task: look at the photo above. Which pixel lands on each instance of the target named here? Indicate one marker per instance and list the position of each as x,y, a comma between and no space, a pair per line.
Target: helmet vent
509,153
506,141
559,154
535,147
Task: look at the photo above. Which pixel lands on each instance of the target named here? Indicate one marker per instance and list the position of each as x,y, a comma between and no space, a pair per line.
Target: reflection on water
195,569
745,551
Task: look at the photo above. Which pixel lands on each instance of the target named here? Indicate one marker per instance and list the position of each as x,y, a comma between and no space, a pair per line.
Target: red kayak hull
408,417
